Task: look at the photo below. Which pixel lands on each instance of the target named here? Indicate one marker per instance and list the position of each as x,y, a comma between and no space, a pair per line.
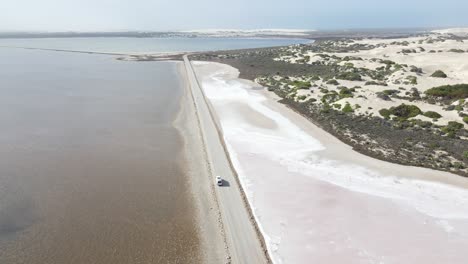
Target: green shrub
432,114
390,92
383,96
385,113
345,93
451,128
333,82
458,91
326,108
465,154
457,50
375,83
439,74
424,124
412,80
387,62
415,69
349,76
465,119
404,111
330,98
302,85
347,108
301,97
337,106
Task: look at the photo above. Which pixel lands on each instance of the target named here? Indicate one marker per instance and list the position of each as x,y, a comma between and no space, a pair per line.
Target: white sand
455,65
318,201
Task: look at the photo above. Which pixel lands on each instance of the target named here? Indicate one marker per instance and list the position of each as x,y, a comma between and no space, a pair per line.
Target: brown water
90,164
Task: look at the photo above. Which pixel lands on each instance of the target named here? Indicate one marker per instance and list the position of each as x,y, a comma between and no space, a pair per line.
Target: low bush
439,74
415,69
412,80
347,108
302,85
385,113
383,96
375,83
465,119
451,128
458,91
345,93
405,111
349,76
390,92
333,82
457,50
432,114
330,98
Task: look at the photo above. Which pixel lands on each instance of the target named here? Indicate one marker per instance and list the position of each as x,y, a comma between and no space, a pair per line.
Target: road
241,236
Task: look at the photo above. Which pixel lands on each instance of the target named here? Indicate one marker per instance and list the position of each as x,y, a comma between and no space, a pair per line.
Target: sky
161,15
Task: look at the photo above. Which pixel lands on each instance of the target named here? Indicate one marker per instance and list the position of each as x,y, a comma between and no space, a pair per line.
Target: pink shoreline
317,200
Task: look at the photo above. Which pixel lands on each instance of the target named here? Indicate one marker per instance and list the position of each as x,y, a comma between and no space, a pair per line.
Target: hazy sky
114,15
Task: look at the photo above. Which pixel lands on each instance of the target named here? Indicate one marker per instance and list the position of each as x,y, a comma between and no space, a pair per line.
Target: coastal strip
317,200
242,238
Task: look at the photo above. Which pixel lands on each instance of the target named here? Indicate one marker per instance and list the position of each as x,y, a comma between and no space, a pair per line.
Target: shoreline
437,176
211,233
377,186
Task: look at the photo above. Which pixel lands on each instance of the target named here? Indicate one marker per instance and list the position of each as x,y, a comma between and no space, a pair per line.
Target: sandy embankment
213,246
317,200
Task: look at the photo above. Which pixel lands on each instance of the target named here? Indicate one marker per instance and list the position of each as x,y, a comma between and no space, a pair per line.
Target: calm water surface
90,168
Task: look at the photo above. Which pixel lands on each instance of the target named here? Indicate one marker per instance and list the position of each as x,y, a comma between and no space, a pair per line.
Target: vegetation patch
457,50
302,85
347,108
346,92
390,92
337,106
333,82
413,80
349,76
451,128
402,112
376,83
448,92
330,98
439,74
432,114
385,113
